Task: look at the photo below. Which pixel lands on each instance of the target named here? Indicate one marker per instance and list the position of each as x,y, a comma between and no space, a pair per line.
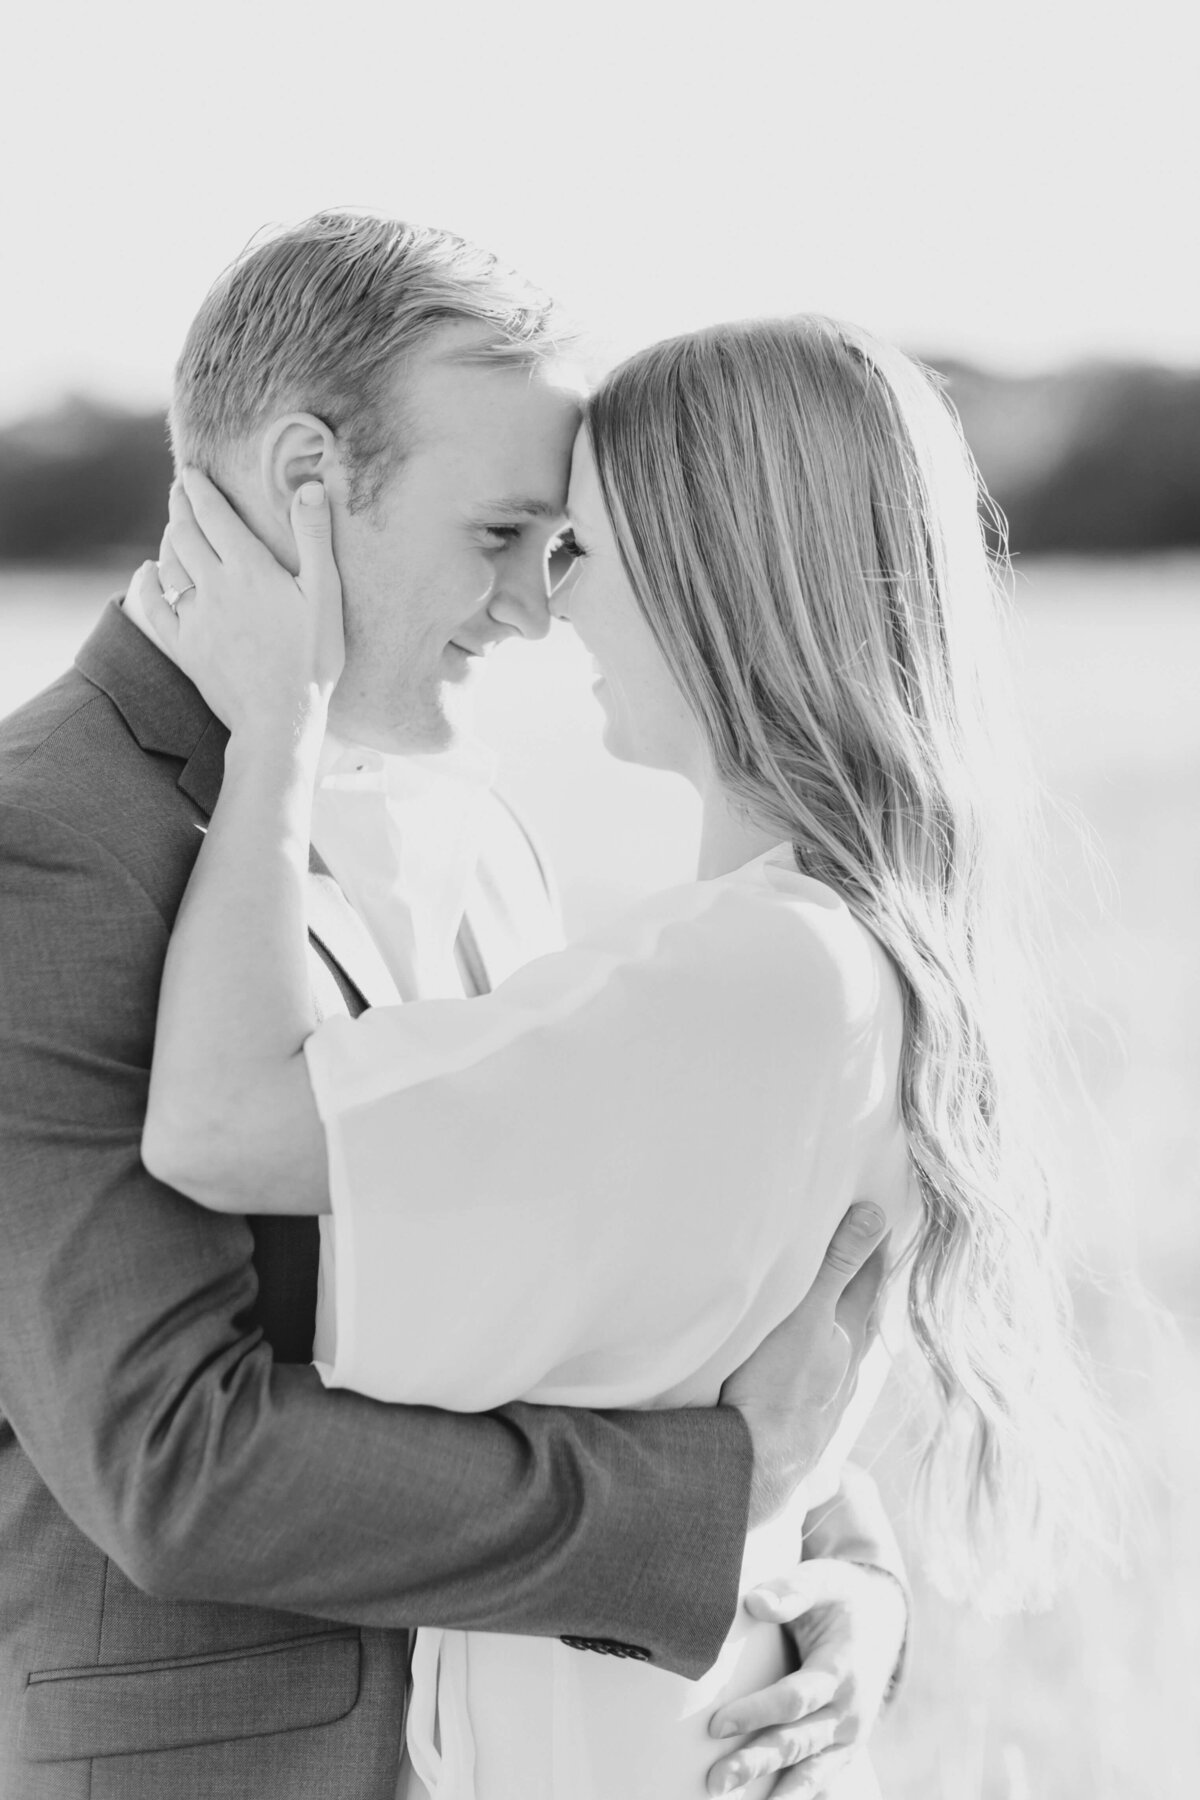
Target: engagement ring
173,595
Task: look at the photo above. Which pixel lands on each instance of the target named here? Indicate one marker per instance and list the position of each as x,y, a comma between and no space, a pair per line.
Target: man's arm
206,1470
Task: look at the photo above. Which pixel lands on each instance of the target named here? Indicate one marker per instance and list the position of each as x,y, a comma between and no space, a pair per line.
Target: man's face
449,560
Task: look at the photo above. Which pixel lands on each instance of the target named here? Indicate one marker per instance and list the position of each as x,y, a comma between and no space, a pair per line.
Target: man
208,1562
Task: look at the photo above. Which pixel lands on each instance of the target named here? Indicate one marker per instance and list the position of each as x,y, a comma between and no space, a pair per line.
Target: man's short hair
318,318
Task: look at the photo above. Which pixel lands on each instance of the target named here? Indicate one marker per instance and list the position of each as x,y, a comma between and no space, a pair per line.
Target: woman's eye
502,535
565,548
562,553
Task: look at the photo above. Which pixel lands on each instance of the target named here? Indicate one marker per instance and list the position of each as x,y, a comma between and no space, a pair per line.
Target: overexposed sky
1016,182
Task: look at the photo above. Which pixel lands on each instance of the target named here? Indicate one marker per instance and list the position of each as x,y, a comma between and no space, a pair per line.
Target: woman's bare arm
231,1120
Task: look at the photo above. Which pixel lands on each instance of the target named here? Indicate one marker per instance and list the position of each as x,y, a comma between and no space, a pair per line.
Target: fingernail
724,1726
312,493
866,1218
729,1780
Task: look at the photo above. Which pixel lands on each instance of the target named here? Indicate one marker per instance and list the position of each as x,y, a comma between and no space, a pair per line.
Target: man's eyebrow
515,506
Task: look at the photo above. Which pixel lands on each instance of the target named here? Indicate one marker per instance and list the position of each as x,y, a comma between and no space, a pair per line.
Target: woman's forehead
584,500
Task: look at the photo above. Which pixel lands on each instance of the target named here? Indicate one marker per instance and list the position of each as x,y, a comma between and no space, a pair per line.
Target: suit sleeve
163,1426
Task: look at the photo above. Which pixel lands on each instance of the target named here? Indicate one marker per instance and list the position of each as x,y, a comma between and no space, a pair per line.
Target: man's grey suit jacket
207,1561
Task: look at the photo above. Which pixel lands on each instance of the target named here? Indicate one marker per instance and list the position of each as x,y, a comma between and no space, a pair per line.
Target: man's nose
520,601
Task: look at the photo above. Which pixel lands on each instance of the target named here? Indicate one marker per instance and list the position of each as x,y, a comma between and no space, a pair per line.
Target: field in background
1097,1700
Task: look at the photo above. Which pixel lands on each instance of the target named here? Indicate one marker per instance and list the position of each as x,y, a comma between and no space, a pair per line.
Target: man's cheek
480,584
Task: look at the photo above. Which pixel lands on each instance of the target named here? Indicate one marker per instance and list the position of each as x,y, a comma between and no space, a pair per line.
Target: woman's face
646,718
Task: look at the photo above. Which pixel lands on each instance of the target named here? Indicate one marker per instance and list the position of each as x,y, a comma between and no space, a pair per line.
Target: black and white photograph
599,874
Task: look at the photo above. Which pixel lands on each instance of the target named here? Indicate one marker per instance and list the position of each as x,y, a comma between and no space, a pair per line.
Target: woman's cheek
590,627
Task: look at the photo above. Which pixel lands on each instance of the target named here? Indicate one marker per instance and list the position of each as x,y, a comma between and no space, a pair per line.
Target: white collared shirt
422,844
401,835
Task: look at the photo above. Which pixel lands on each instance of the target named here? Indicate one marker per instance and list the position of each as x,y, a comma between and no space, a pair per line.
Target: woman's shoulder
762,970
792,931
765,942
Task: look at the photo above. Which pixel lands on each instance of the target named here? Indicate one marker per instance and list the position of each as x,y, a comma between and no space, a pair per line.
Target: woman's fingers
815,1582
224,533
313,532
318,580
811,1778
147,589
771,1751
783,1703
171,572
189,544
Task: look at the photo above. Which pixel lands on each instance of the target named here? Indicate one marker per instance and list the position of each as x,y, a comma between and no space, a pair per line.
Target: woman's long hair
800,521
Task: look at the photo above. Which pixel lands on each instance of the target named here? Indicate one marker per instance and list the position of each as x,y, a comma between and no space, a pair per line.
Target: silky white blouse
602,1185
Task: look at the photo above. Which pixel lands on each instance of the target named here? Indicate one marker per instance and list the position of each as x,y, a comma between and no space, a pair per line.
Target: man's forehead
500,436
448,392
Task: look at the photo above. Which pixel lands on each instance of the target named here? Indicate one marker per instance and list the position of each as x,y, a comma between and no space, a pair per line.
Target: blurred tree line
1092,459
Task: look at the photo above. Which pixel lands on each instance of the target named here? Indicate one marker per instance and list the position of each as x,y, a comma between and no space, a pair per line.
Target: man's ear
296,448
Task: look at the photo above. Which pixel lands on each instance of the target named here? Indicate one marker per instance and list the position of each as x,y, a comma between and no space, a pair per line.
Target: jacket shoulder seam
85,702
67,829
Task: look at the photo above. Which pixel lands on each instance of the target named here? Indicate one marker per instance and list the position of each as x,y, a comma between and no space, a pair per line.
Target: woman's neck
729,836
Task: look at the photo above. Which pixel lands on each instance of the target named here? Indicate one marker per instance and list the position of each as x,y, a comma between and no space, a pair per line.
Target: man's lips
474,649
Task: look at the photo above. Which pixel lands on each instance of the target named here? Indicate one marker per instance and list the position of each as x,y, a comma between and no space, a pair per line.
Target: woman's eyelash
509,533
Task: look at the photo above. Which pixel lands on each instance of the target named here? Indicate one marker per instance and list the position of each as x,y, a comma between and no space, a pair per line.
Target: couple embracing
429,1353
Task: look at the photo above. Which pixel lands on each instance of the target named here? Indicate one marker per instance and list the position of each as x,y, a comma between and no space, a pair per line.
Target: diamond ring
173,595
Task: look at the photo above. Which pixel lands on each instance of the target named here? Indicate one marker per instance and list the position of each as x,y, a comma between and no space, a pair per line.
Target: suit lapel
204,770
469,958
161,707
337,928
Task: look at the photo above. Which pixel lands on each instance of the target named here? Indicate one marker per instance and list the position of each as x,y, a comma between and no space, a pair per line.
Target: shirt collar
348,767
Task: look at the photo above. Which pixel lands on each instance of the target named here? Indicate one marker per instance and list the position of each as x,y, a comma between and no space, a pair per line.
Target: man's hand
794,1389
848,1623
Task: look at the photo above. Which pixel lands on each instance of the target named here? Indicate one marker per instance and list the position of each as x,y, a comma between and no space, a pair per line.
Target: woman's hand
264,646
848,1623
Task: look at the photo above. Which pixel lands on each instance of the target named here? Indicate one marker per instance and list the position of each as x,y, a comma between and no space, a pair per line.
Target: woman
603,1183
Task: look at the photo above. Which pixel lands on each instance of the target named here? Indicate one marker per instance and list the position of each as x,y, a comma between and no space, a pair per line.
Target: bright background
1014,185
1015,182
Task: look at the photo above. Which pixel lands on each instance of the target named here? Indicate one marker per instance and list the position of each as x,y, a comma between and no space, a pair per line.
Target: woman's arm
231,1120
